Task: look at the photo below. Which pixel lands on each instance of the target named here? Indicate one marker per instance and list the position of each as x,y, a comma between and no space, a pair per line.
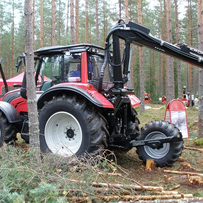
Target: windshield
51,68
60,68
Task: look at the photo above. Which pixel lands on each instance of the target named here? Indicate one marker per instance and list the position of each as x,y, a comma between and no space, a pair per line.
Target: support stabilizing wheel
169,152
69,126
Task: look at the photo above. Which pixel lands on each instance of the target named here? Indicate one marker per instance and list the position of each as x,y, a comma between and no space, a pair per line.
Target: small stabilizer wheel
169,152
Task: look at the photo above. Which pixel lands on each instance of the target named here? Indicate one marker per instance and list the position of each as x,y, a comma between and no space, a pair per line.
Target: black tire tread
96,123
176,147
8,133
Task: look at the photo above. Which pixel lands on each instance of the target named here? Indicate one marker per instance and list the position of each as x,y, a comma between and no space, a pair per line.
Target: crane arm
140,35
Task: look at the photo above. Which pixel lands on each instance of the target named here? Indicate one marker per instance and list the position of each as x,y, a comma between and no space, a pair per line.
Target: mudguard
10,112
134,100
86,90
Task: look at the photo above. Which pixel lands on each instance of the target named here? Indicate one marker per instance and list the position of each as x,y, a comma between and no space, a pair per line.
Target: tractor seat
46,85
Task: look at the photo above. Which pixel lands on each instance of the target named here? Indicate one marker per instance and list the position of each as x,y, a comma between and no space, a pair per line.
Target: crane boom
140,35
133,33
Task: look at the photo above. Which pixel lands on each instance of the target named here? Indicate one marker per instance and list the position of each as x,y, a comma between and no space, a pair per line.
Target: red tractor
85,106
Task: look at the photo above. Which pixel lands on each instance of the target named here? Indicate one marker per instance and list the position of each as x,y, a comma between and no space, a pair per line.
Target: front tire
69,126
169,152
7,133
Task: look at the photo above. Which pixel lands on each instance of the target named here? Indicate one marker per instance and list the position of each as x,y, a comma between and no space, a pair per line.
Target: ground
190,160
127,170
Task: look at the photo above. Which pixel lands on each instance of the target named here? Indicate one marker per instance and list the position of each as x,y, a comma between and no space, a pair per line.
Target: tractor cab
73,64
67,65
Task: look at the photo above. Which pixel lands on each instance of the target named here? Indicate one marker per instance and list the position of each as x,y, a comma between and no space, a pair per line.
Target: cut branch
184,173
131,186
192,148
132,198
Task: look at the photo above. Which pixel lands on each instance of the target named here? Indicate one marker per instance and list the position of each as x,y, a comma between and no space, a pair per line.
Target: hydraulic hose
107,54
106,58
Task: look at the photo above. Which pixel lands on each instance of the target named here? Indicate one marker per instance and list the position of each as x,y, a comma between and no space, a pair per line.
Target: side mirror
18,65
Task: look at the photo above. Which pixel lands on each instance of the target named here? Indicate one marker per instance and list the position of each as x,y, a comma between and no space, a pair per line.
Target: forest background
74,21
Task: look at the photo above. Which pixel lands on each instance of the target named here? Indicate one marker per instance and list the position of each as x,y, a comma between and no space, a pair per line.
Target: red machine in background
186,98
147,98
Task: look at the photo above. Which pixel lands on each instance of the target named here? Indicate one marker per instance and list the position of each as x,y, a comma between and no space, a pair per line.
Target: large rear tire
70,126
7,133
169,152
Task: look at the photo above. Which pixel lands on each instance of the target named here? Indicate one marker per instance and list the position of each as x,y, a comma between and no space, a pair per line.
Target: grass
23,180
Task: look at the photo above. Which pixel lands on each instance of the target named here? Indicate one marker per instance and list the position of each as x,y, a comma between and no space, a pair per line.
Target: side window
72,65
94,65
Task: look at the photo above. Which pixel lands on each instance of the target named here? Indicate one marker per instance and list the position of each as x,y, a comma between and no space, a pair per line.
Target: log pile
101,190
123,192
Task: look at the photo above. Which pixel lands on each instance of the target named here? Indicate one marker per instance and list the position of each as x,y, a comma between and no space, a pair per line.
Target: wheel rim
63,134
157,153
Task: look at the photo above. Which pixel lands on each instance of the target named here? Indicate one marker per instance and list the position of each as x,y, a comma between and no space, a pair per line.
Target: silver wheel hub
63,134
157,153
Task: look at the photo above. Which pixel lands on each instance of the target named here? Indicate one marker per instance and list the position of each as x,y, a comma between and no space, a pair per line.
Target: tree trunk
86,21
31,90
97,22
170,69
126,11
33,24
41,24
53,24
162,69
119,2
72,24
76,21
178,41
104,22
129,83
13,39
200,46
165,62
67,20
190,71
141,60
59,23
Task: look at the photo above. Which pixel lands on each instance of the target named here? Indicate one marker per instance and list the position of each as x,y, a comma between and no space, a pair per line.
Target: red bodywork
20,104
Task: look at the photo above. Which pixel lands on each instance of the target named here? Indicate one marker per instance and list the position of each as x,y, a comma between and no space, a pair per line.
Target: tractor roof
71,48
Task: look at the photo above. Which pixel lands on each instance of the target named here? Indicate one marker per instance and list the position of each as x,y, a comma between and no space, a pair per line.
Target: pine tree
170,69
200,45
86,21
141,61
76,21
72,23
31,100
178,41
41,24
53,24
